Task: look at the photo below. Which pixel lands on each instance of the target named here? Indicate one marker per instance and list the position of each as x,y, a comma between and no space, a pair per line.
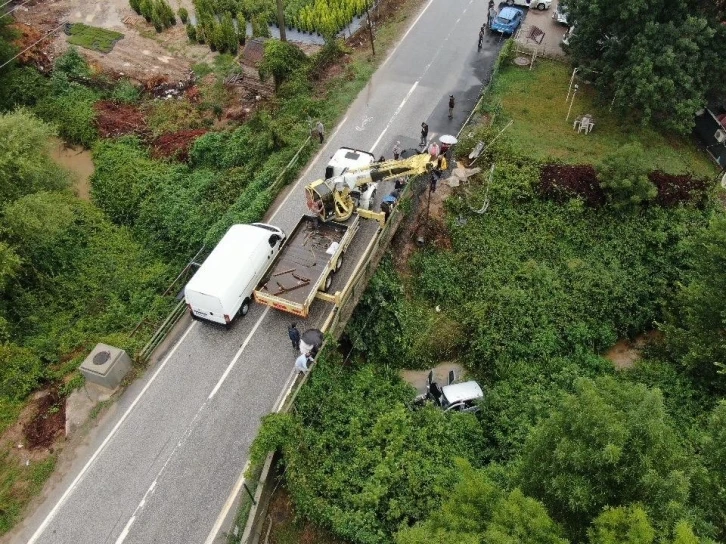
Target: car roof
509,12
462,391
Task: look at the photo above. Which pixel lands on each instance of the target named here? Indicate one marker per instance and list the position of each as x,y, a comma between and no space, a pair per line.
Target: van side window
274,239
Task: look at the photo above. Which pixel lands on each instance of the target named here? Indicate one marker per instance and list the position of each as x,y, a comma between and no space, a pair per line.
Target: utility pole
281,20
370,30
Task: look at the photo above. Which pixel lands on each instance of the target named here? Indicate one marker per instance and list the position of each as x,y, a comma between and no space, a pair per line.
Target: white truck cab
222,287
347,158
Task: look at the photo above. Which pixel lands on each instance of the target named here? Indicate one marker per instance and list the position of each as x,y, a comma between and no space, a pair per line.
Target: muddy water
78,161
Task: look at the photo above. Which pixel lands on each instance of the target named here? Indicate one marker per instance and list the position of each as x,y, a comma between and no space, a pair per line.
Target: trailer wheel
339,264
244,308
328,281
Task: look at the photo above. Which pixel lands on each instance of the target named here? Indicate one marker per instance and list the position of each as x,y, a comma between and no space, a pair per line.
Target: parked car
539,4
454,397
508,21
560,15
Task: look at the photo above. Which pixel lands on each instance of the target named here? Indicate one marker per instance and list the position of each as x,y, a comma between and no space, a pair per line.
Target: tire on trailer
327,282
541,6
339,263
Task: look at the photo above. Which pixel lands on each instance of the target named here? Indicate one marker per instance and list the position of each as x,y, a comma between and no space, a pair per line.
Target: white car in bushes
539,4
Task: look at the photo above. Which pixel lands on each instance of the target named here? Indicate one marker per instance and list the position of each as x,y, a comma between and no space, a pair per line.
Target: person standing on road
491,14
294,335
424,134
451,106
320,130
301,363
481,39
396,151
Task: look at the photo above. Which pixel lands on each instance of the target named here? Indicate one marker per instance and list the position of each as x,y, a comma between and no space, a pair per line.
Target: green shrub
23,86
126,92
136,6
183,15
20,371
73,64
624,176
191,32
71,108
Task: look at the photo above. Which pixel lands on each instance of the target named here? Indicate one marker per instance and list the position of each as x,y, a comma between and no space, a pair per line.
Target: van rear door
205,306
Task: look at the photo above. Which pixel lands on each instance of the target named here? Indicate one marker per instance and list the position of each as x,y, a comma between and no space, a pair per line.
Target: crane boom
331,199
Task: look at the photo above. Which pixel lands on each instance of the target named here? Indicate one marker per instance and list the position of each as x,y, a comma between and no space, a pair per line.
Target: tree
696,321
622,525
280,60
25,165
662,71
477,511
712,494
624,176
608,444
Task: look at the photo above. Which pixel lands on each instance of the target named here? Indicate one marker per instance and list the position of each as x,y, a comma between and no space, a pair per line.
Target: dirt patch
79,162
176,145
427,224
625,353
140,55
114,119
418,378
48,422
383,11
38,56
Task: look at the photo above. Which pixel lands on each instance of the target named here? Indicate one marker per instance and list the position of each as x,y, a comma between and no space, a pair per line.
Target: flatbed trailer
306,264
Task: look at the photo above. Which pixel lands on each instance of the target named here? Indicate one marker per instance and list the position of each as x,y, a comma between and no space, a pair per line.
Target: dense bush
70,103
24,86
624,177
25,166
280,60
81,278
20,371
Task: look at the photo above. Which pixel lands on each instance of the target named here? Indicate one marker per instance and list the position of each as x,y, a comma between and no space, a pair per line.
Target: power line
30,47
14,8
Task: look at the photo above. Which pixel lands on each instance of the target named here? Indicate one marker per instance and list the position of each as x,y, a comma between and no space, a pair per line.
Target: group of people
305,359
491,15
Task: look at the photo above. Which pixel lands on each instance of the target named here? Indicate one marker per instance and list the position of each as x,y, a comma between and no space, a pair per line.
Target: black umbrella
310,341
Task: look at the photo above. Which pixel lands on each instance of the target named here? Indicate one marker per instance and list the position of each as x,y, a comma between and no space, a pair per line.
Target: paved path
164,461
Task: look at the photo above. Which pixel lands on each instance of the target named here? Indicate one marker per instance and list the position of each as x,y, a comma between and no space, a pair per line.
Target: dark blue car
508,20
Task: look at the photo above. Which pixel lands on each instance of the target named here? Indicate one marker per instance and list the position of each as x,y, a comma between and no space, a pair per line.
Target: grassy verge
18,484
91,37
535,100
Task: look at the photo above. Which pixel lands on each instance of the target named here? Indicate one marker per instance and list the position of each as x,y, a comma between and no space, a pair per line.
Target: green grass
18,484
91,37
535,100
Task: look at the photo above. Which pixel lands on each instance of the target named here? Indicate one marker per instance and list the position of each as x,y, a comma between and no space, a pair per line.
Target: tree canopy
656,59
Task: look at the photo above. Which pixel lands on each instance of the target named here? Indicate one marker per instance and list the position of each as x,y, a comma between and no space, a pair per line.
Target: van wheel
541,6
339,264
328,281
193,316
244,308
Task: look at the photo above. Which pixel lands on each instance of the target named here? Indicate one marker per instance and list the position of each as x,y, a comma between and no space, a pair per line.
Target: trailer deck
303,262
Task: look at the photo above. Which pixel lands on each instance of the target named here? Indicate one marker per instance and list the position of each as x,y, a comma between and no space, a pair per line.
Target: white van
222,287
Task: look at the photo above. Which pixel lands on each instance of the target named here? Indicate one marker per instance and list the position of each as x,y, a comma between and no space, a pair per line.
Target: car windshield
502,20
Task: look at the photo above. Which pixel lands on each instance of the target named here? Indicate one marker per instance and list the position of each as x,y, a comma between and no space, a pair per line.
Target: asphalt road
163,463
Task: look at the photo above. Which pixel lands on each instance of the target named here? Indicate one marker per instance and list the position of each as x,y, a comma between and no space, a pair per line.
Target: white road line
125,532
227,506
108,438
307,170
238,354
395,114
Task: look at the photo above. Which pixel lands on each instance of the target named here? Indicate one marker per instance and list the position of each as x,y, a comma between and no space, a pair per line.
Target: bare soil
33,437
141,54
176,145
113,119
79,162
625,353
